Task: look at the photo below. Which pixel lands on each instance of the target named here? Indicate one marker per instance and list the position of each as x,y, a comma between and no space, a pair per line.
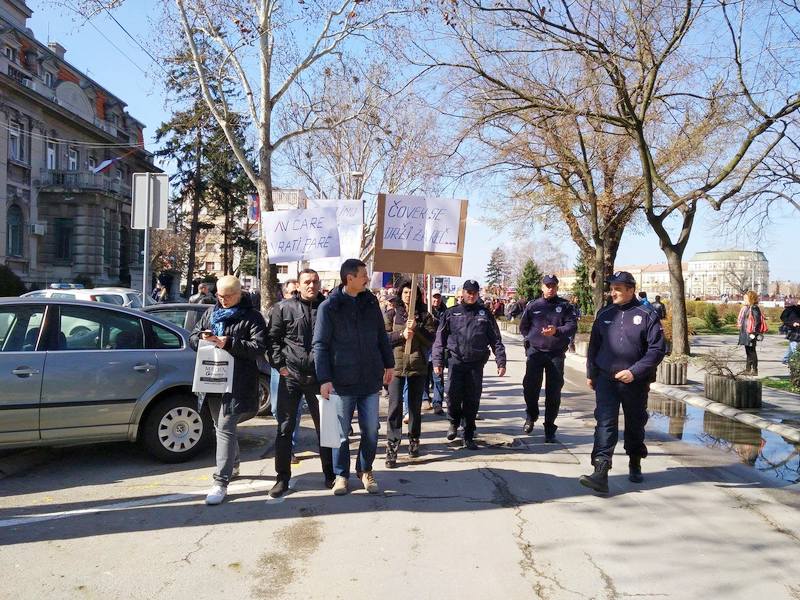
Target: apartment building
68,149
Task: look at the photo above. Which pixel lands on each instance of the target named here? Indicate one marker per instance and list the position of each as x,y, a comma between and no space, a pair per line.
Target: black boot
469,443
413,447
391,454
279,489
635,469
528,427
598,481
452,431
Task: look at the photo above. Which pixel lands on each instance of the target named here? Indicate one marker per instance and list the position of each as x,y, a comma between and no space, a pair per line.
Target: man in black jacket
353,360
547,325
467,331
236,327
291,335
625,348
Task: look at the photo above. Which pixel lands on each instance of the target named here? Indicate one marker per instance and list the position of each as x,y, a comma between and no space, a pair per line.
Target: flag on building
253,207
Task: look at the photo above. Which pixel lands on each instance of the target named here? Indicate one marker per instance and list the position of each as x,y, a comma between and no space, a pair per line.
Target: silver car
75,372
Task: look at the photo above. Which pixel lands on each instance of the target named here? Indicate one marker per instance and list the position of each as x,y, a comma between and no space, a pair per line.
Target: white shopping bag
213,370
330,434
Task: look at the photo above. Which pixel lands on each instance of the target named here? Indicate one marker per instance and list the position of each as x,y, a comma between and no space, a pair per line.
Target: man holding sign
353,360
467,331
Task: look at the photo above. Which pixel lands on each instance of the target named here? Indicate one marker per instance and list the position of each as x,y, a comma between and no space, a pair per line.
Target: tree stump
738,393
672,373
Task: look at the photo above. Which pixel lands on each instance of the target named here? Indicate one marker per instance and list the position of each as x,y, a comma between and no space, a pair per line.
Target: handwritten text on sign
421,224
350,220
300,234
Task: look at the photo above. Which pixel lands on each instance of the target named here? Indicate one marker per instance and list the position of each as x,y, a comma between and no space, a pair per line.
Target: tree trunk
269,273
598,273
680,322
196,202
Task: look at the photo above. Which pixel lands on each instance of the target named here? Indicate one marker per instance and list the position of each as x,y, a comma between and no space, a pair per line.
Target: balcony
82,181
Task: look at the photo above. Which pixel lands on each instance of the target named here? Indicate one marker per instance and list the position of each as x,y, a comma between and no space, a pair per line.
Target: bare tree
657,85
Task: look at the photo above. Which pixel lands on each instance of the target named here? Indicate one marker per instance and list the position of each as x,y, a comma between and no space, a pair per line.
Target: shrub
711,318
730,318
585,324
794,370
696,323
10,283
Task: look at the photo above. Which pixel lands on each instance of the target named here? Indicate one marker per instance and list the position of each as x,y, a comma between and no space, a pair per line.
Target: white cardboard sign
420,224
350,222
300,234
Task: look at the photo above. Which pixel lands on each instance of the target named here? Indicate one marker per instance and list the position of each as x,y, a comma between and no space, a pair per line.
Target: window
16,145
14,229
283,269
209,266
63,238
52,153
72,159
87,328
48,79
20,327
165,339
91,163
11,54
118,174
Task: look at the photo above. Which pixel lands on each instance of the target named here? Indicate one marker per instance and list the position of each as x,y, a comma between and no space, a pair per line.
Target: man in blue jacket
626,346
547,325
353,360
467,331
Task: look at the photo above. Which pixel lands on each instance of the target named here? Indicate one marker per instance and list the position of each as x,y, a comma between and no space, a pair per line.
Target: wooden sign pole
411,305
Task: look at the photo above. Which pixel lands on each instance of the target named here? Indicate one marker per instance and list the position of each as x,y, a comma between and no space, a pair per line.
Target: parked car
77,372
186,315
110,295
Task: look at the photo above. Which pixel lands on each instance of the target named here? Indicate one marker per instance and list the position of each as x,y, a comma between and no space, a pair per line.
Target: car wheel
175,430
264,404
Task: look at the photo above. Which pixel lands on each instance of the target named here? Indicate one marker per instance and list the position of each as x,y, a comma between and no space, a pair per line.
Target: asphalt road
508,521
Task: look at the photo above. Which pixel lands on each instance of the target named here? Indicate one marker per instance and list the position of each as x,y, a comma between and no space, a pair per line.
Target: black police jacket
467,331
539,314
626,337
351,348
291,337
247,341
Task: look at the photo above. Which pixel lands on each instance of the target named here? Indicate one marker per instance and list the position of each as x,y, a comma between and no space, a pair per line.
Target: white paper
350,223
330,433
213,370
300,234
421,224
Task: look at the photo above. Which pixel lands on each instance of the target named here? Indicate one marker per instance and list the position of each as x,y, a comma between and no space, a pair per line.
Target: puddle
764,450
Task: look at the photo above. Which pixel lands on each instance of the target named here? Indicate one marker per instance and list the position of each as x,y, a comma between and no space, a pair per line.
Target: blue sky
126,73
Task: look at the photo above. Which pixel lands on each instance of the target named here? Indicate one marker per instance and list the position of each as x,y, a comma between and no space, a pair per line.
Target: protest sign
417,234
300,234
350,223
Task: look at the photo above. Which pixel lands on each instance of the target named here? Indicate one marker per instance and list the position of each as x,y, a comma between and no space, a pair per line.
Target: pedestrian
353,359
467,331
291,335
547,325
790,326
625,347
437,381
235,326
752,325
659,307
203,295
517,308
410,369
643,299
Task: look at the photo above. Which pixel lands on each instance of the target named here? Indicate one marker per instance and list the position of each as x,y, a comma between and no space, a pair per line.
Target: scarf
222,316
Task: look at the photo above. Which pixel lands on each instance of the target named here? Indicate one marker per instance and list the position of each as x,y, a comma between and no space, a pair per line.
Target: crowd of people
350,346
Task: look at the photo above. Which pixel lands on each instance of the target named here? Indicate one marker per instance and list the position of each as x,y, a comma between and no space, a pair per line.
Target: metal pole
146,257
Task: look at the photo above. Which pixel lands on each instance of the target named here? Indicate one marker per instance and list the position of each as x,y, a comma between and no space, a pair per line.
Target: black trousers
465,384
752,357
610,395
290,392
539,365
394,422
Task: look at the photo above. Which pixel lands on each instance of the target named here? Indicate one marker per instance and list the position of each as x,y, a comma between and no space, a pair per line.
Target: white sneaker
339,486
216,495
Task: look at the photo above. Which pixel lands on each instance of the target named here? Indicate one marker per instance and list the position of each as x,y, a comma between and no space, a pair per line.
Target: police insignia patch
482,312
637,320
558,309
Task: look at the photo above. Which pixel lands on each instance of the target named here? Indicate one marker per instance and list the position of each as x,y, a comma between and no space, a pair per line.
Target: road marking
31,519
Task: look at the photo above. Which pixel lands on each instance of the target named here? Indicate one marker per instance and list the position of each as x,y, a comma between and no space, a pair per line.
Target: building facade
68,149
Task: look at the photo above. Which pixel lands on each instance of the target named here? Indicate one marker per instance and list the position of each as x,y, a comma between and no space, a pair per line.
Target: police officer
626,346
467,331
547,325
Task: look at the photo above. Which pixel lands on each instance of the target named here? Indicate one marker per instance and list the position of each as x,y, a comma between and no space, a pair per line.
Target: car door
97,370
21,371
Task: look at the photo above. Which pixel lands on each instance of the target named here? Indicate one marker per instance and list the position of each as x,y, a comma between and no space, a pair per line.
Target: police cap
470,285
622,277
550,280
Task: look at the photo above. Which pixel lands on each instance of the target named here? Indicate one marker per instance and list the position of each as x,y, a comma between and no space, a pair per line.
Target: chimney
57,49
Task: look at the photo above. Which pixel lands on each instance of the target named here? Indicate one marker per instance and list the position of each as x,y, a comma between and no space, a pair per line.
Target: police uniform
466,331
624,337
545,356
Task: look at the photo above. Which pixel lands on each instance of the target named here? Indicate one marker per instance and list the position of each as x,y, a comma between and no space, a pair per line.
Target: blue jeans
789,351
438,389
367,422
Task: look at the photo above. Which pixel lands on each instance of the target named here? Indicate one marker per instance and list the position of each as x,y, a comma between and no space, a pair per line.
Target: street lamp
357,175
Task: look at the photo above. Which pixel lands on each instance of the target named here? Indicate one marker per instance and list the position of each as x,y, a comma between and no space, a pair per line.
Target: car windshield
109,299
